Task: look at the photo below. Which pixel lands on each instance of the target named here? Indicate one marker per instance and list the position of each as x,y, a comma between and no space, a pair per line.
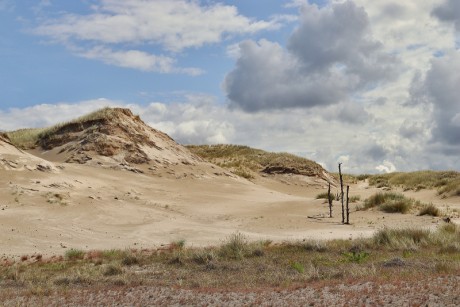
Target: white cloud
386,167
137,60
114,27
44,115
173,24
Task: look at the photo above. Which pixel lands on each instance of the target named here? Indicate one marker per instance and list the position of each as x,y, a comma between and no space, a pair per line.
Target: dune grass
239,263
29,138
430,209
247,162
390,202
446,182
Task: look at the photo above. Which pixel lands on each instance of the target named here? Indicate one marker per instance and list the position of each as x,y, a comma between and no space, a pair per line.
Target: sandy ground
88,207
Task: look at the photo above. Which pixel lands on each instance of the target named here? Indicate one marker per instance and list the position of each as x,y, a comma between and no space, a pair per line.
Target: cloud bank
329,58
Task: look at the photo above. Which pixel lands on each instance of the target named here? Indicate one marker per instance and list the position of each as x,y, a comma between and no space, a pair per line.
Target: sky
372,84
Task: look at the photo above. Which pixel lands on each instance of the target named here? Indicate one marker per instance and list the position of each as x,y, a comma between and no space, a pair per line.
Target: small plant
325,196
129,260
298,267
354,198
314,246
235,247
429,210
112,270
74,254
356,256
203,256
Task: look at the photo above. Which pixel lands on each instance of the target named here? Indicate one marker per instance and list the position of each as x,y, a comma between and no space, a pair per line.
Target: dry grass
29,138
447,182
430,210
238,263
390,202
247,162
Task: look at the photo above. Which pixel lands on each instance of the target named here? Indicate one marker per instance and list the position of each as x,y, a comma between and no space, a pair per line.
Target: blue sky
36,70
370,83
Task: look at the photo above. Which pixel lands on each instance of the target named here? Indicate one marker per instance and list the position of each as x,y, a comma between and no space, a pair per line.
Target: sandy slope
88,207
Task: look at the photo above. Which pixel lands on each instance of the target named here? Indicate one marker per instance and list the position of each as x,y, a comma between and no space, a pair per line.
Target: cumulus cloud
440,88
449,11
329,57
412,129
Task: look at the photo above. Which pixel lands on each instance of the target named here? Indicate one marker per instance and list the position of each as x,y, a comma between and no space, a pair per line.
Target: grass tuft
430,209
389,202
235,246
74,254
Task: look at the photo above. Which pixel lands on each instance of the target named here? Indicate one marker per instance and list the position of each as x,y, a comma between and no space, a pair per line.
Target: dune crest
112,135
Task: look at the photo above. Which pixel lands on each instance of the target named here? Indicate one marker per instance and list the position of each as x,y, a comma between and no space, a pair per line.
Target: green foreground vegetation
237,263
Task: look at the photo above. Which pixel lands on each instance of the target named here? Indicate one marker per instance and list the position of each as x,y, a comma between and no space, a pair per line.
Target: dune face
115,136
12,158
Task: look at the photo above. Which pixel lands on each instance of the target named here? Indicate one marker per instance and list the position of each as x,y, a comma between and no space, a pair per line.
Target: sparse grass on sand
246,162
390,202
430,210
29,138
238,263
446,182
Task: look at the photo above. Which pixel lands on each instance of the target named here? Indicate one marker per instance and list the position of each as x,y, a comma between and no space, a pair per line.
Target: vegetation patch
238,263
446,182
30,138
245,161
74,254
429,210
390,202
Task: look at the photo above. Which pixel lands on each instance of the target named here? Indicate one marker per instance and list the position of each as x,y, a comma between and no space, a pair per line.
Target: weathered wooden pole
329,199
348,209
341,192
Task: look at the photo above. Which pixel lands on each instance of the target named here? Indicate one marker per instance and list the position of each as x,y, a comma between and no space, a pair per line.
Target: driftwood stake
341,192
329,199
348,209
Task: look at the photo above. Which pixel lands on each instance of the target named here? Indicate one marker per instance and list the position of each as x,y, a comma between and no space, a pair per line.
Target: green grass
390,202
246,162
239,263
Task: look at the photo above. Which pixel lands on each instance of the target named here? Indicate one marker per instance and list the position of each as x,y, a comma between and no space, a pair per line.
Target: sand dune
173,195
